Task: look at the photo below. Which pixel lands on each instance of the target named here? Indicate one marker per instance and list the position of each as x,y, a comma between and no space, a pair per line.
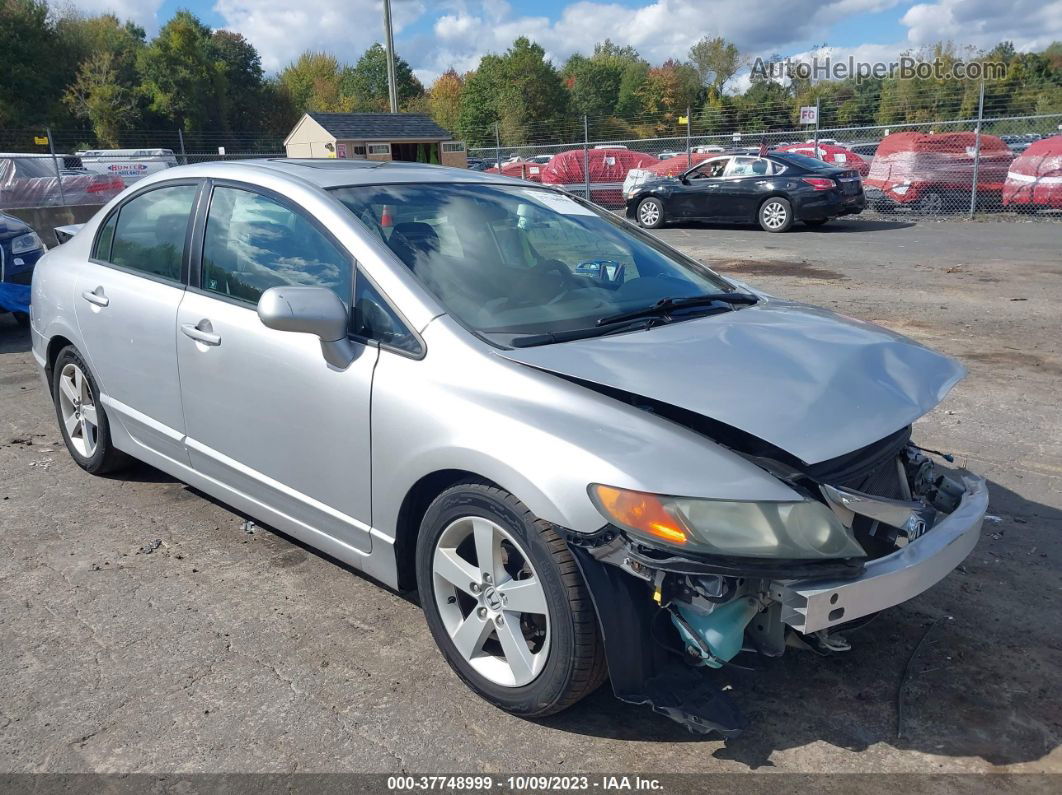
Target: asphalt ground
143,628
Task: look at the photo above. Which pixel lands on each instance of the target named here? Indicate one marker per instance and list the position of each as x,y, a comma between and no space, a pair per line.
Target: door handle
96,296
201,332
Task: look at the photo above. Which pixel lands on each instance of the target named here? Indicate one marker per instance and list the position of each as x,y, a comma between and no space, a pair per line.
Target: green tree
179,75
98,95
312,82
716,61
444,100
240,69
31,79
366,83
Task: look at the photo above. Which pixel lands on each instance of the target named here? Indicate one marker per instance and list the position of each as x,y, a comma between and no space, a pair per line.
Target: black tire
21,318
652,209
816,221
933,203
106,457
767,214
575,664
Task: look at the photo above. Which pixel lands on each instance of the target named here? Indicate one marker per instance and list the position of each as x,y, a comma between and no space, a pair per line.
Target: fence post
586,158
497,146
55,162
184,155
689,153
977,149
817,111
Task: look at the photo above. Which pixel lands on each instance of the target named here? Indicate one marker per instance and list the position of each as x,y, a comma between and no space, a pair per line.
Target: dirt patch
801,270
1029,361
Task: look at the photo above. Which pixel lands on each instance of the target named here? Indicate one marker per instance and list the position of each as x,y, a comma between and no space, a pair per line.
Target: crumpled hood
814,383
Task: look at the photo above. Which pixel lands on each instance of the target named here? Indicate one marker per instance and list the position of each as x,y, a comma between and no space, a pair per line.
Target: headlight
26,242
791,530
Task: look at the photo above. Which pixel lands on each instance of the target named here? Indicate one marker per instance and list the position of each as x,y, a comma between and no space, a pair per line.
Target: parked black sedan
774,190
20,248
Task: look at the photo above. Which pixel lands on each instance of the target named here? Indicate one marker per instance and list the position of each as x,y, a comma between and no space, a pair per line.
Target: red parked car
1034,180
31,181
608,169
934,173
832,154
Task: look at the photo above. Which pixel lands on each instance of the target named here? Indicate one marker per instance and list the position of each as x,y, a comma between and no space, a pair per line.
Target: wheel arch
55,345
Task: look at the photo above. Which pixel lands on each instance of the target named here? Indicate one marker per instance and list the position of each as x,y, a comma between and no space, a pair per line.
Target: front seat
414,242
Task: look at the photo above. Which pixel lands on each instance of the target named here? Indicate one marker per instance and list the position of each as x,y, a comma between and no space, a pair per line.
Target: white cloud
142,12
282,29
1030,24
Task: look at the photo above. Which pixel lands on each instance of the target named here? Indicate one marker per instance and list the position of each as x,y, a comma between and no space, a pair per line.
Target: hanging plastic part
718,636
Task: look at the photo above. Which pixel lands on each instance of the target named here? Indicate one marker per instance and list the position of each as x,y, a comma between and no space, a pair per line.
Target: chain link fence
1003,164
997,164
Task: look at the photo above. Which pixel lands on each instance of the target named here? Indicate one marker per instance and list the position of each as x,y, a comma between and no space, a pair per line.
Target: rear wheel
776,214
505,602
82,420
931,203
651,213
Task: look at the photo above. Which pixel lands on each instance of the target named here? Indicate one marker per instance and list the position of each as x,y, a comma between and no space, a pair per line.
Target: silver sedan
592,456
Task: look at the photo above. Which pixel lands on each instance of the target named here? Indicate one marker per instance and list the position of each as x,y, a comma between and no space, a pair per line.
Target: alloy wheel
491,601
774,215
649,213
78,410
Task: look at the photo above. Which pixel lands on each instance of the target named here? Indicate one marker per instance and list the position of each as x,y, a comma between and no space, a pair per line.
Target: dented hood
814,383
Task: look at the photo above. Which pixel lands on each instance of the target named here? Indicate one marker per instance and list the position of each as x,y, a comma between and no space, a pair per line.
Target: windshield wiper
666,305
548,337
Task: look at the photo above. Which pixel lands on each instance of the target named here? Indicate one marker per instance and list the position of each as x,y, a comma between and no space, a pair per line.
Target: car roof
329,173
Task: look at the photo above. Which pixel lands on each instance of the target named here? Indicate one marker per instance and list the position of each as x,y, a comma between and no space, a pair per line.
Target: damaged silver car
592,456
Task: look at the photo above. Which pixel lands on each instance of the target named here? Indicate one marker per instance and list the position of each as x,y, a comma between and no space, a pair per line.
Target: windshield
509,261
812,163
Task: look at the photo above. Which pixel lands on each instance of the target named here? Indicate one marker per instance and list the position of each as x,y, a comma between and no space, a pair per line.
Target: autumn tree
444,99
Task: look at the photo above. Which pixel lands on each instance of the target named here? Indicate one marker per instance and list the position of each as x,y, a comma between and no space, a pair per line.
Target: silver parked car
591,455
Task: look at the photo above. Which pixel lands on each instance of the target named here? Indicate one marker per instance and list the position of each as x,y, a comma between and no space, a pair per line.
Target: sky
434,35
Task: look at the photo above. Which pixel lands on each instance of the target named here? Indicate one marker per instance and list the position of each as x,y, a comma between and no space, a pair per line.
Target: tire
650,213
816,221
931,203
22,319
775,215
90,446
564,658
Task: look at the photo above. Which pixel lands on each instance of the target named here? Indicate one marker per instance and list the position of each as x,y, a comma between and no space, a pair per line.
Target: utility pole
586,158
977,149
689,152
55,163
817,111
392,85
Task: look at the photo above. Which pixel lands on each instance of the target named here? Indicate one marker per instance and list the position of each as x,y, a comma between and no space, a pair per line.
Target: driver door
700,198
266,415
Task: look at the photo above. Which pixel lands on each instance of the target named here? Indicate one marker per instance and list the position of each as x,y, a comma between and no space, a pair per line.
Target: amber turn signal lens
638,511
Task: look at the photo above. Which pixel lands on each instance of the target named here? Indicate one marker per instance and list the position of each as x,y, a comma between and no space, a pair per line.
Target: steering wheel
535,284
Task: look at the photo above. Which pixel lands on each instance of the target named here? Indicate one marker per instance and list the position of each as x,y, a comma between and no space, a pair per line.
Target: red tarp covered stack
678,164
521,169
608,169
1035,177
908,165
832,154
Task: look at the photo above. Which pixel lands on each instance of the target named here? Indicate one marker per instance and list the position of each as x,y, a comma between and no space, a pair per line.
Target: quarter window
151,229
102,251
253,243
374,319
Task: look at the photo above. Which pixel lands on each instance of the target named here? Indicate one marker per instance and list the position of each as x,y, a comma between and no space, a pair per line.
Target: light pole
392,86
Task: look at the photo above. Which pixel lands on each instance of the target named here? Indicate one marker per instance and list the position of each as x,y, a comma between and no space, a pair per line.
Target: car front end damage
668,614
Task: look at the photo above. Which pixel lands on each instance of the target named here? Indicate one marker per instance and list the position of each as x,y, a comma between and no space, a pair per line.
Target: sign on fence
40,140
809,114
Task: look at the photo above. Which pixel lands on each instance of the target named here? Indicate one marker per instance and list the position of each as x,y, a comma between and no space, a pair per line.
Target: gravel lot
143,629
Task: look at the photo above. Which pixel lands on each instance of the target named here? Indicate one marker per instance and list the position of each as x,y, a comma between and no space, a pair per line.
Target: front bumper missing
814,604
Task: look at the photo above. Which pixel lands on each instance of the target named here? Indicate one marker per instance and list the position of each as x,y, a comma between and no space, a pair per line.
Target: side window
712,168
253,243
150,232
102,251
744,167
375,320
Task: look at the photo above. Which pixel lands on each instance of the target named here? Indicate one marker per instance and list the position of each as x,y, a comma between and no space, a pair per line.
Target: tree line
104,76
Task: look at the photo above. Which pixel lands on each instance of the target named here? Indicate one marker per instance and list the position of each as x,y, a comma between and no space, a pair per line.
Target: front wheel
651,213
776,215
505,602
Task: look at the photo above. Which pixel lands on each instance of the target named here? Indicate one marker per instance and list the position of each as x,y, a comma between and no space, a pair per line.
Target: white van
129,164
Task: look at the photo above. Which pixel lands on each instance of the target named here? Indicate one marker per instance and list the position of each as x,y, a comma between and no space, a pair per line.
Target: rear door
746,181
126,298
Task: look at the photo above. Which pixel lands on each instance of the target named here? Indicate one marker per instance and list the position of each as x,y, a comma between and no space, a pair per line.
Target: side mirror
684,180
310,310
